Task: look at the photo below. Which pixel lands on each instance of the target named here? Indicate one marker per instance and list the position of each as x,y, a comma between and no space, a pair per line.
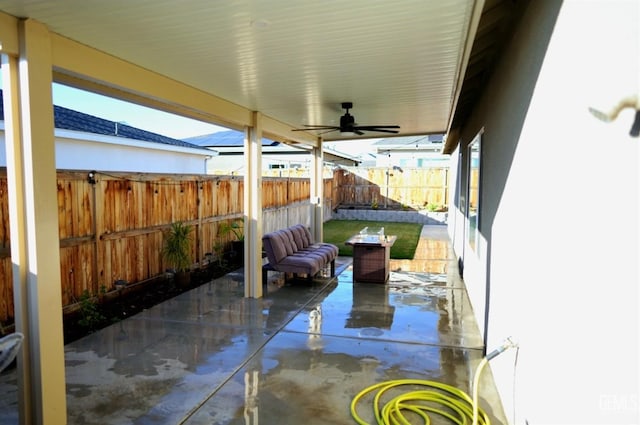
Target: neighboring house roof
368,159
225,139
68,119
231,142
431,142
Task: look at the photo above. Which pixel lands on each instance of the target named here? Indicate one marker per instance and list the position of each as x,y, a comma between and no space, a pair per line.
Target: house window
473,192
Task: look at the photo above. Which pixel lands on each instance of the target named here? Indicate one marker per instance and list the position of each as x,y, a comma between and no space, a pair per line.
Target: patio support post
317,190
253,208
33,221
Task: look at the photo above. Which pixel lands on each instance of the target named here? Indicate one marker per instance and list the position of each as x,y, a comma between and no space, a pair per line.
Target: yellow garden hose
429,397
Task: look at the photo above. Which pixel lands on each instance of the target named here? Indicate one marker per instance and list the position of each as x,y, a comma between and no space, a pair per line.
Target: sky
141,117
137,116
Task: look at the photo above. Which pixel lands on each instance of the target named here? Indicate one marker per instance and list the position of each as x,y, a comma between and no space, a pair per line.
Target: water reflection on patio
298,355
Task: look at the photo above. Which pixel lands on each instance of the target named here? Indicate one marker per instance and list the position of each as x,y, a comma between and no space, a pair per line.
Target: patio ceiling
413,63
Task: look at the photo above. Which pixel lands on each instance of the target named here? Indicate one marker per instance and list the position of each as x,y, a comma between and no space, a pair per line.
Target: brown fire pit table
371,256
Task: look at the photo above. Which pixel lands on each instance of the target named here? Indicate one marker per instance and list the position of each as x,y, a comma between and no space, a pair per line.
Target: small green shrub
436,208
236,227
218,249
91,316
177,246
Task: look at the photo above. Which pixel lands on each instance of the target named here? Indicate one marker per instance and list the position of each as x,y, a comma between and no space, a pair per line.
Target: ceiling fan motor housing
347,121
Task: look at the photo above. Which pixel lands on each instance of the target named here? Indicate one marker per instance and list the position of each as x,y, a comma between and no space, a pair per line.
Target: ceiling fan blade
373,127
317,127
358,132
328,131
381,130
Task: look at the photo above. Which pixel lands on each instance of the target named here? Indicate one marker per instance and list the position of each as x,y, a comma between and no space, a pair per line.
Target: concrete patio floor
298,355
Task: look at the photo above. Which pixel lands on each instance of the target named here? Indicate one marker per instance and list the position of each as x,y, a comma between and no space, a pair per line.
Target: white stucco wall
82,151
559,216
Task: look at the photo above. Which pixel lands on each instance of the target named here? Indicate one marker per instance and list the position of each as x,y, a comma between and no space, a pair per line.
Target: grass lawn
338,231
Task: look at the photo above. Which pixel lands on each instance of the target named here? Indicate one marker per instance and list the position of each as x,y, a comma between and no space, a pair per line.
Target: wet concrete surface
298,355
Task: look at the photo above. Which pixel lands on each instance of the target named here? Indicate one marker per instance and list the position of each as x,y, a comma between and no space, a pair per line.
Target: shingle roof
221,139
68,119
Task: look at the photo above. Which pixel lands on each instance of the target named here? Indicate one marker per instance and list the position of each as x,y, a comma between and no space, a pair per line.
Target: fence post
199,234
445,196
91,179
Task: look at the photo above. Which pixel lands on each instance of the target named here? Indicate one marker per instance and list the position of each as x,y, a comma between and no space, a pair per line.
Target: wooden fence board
4,215
409,188
6,290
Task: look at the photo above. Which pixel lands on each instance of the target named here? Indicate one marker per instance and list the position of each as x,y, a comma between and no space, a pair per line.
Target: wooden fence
112,228
391,188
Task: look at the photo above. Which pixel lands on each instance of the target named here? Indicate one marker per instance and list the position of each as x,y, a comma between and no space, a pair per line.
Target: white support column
253,209
317,191
33,218
15,183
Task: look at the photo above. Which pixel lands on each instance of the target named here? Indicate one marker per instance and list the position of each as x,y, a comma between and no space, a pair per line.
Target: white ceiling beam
280,132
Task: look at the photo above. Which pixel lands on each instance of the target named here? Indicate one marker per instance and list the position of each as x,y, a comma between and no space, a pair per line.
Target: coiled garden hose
434,397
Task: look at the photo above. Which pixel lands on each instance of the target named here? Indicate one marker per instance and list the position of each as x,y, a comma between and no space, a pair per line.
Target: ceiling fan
348,126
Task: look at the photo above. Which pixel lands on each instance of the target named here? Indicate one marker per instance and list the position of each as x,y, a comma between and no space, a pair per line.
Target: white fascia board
425,148
239,150
123,141
288,150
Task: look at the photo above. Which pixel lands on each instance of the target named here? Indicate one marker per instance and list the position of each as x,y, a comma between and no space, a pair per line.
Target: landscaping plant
177,246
